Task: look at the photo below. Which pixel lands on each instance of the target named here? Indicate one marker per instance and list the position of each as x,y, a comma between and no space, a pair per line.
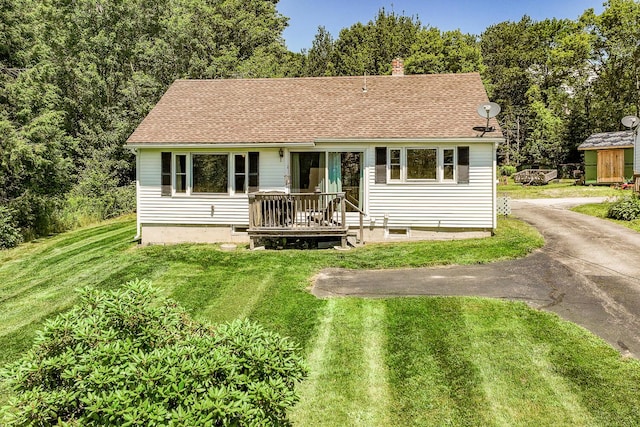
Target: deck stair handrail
361,215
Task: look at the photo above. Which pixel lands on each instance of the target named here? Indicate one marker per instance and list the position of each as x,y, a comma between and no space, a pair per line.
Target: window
246,173
181,173
307,172
394,164
422,163
210,173
165,174
448,165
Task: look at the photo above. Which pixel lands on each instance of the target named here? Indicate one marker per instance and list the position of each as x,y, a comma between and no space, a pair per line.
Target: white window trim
403,161
189,174
174,175
454,164
440,179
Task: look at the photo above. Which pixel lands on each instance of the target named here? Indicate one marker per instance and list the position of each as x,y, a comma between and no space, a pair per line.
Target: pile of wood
535,176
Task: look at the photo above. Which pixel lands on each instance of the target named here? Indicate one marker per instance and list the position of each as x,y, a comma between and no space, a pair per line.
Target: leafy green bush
129,357
10,235
626,208
507,170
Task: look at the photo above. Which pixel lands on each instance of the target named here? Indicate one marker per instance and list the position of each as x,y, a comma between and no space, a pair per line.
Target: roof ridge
329,77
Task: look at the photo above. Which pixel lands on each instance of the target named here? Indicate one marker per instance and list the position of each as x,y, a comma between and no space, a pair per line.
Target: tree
370,48
319,58
95,69
449,52
616,62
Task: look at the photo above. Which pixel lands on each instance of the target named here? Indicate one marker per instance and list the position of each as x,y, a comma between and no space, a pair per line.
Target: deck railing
297,211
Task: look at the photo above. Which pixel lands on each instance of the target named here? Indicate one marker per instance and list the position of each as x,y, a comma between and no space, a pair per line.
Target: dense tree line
76,77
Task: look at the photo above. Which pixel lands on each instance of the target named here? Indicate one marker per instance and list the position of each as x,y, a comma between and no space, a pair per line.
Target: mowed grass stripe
346,387
39,280
23,278
517,376
606,384
44,250
238,299
433,378
310,408
53,295
374,347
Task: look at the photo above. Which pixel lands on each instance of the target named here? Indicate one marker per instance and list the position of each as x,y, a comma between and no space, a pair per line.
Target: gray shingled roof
303,110
622,139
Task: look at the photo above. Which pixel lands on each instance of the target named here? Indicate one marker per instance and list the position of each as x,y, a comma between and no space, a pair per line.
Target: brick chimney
397,67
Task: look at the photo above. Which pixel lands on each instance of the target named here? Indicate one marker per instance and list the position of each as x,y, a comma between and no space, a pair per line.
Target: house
609,157
386,157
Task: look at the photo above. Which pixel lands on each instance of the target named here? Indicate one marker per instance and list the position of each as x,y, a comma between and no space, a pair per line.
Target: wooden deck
297,215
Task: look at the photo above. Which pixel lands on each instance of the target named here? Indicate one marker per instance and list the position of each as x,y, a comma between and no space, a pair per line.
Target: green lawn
563,188
404,361
600,210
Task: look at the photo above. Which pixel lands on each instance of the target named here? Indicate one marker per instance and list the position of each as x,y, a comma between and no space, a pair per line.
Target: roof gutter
407,140
218,145
609,147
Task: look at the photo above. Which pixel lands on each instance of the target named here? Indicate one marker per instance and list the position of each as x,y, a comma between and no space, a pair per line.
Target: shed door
610,166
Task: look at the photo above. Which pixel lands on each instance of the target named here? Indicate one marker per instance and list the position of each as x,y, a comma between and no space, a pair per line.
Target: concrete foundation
153,234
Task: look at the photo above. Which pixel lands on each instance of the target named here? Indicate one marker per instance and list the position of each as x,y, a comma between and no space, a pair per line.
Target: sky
470,16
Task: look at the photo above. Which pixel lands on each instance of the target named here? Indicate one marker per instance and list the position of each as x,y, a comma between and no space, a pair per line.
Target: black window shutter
463,165
254,172
381,165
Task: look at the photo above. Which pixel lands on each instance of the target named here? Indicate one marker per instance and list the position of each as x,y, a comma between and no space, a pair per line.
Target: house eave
408,140
608,147
233,145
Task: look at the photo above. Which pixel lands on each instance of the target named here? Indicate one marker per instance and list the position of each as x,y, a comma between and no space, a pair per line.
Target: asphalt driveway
588,272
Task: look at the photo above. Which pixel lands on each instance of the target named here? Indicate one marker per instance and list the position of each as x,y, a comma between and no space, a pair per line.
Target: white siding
447,205
428,205
155,209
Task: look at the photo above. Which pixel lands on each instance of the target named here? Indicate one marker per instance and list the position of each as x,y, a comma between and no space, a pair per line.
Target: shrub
81,209
507,170
626,208
129,357
10,235
36,214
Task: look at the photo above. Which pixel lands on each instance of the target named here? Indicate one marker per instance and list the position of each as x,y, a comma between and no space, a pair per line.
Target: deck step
352,240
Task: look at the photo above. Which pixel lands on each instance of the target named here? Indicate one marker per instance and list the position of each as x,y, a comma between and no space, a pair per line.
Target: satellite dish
488,110
630,121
